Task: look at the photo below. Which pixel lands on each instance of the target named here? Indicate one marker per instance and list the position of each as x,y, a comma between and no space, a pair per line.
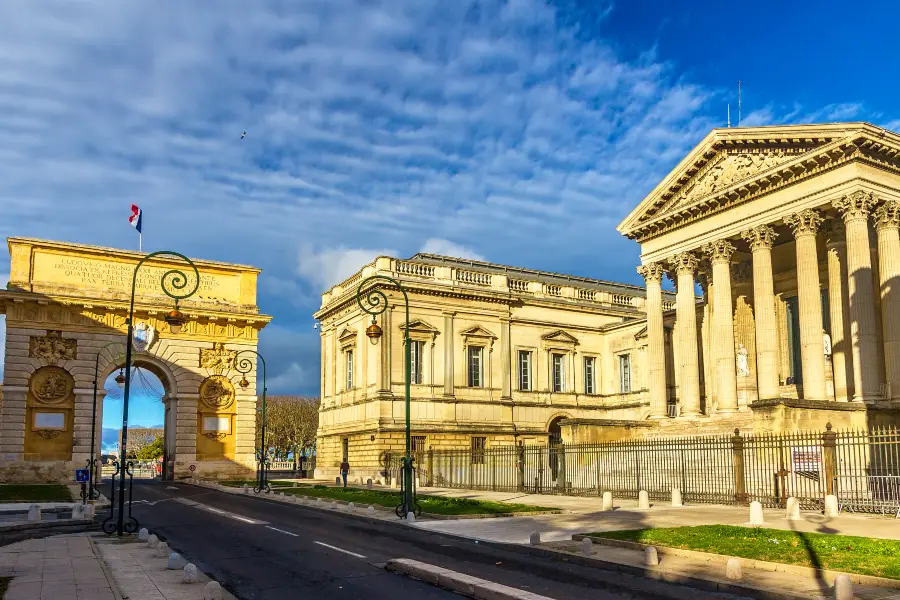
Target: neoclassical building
791,232
500,355
783,246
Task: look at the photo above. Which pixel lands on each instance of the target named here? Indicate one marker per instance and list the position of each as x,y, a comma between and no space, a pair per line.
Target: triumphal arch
66,307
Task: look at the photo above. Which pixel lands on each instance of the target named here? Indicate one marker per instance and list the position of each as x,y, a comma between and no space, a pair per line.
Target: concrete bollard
191,574
213,591
176,562
351,506
651,556
831,507
368,484
643,500
371,510
318,501
793,509
607,501
843,587
143,534
152,541
587,546
78,511
334,505
733,570
162,551
756,514
337,481
89,511
535,538
34,513
676,497
410,517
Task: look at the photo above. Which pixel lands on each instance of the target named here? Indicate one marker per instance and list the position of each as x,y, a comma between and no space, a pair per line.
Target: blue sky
519,131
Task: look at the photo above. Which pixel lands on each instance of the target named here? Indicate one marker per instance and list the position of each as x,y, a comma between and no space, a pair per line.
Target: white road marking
339,549
281,531
219,511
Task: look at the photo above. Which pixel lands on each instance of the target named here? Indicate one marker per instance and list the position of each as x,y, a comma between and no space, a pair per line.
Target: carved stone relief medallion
50,385
217,359
217,392
52,347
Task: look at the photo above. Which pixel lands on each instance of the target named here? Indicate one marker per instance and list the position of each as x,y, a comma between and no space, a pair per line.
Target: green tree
151,451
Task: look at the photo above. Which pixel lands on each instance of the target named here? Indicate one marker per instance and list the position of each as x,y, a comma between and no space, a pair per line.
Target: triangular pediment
560,336
739,164
346,334
477,331
420,325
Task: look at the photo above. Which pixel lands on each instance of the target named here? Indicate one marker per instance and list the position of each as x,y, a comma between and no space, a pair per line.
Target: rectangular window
416,353
217,424
525,370
590,375
349,355
625,373
475,366
559,372
478,446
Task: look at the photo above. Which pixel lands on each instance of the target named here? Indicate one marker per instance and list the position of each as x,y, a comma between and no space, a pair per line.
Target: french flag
135,218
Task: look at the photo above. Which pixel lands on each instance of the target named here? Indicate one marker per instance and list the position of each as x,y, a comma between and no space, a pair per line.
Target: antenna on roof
739,102
729,115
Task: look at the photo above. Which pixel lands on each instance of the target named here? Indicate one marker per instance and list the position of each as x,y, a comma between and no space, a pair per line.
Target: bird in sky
243,134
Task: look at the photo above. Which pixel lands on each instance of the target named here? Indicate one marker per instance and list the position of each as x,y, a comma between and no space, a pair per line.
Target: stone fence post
520,464
737,459
429,466
829,458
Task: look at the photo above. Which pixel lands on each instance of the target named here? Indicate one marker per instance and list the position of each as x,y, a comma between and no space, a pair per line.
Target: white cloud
326,268
295,377
448,248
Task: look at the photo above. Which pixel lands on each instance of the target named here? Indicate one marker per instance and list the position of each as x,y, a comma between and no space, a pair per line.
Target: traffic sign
193,468
82,475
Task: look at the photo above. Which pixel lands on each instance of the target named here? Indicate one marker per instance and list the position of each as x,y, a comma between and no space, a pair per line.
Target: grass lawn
848,554
34,493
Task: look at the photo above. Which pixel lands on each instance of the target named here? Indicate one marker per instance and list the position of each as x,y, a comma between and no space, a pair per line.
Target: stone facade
499,353
66,307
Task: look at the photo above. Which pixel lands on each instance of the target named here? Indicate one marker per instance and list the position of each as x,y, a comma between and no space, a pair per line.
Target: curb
106,572
467,585
761,565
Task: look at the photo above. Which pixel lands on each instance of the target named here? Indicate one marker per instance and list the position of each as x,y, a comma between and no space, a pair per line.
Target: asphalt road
264,550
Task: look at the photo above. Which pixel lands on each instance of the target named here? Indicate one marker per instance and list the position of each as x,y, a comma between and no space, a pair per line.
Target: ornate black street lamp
92,461
173,282
243,366
376,303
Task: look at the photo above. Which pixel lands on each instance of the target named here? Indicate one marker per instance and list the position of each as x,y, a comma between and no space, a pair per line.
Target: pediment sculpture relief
52,347
217,359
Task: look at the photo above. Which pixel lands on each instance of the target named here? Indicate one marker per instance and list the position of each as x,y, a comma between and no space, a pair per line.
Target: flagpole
140,241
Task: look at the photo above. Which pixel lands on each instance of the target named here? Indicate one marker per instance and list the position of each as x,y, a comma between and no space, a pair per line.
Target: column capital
855,205
887,216
684,262
652,272
805,222
761,237
719,251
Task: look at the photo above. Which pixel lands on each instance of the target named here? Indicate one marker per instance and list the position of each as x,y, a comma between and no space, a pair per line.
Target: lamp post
92,461
243,366
173,282
374,304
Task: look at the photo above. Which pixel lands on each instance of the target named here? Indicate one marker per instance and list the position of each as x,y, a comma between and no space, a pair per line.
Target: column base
690,415
726,411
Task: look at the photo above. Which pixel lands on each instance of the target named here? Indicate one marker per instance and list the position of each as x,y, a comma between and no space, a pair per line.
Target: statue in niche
826,341
743,362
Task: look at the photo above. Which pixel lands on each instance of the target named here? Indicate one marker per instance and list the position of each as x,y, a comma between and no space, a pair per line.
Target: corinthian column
656,350
723,324
812,355
761,240
855,208
887,224
685,265
839,303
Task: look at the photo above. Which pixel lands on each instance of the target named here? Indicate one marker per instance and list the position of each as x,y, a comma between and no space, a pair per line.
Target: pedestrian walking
345,468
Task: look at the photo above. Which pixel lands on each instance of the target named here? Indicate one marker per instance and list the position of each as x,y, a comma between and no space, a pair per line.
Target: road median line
474,587
339,549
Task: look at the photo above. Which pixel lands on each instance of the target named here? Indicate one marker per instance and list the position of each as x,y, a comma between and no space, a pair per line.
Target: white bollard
318,501
793,509
643,500
587,546
607,501
143,534
191,574
162,551
756,514
535,538
34,513
676,497
410,517
831,507
733,570
78,511
334,504
843,587
351,506
651,556
89,511
176,562
152,541
368,484
371,510
337,481
213,591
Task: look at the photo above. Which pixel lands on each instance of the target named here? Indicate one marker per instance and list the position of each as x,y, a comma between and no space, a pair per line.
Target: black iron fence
861,468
